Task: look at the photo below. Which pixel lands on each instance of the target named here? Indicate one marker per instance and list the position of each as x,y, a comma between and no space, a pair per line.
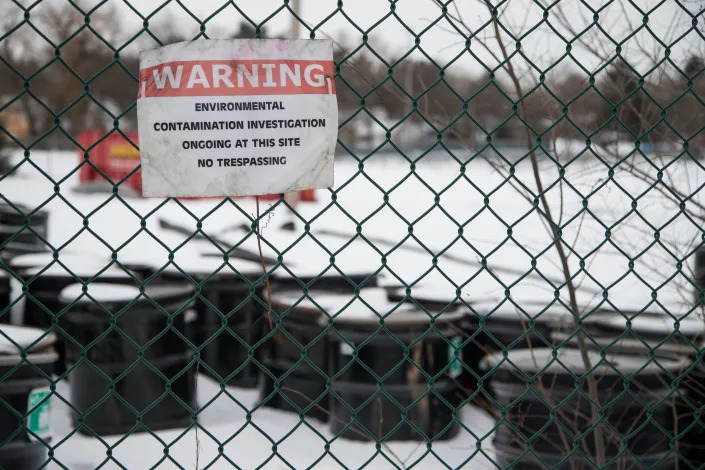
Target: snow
100,291
210,262
656,325
570,361
367,308
411,203
433,227
24,337
631,345
33,260
224,417
84,270
545,313
431,294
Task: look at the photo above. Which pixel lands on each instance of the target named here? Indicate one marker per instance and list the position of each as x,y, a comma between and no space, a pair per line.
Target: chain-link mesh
506,273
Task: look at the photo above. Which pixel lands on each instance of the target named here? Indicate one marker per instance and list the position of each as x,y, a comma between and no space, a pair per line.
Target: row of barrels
23,382
376,364
224,328
649,377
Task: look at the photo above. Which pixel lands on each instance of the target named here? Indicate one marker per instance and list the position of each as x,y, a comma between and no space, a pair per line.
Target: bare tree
627,100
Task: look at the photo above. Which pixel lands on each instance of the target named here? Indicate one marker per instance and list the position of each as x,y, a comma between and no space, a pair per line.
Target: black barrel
24,390
20,265
469,344
699,275
691,430
230,319
508,323
654,332
18,238
516,323
329,280
142,399
392,383
546,417
429,297
43,284
5,301
293,382
638,332
41,259
295,356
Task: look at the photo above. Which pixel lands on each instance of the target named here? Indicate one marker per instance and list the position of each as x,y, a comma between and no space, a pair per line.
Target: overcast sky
391,38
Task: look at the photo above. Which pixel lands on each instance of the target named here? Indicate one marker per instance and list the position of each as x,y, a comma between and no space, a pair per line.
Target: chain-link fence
506,273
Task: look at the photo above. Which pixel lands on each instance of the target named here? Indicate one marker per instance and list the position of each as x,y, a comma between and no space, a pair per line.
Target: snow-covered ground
297,445
497,224
505,230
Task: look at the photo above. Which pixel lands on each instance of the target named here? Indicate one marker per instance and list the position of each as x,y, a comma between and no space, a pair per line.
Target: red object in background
307,195
115,156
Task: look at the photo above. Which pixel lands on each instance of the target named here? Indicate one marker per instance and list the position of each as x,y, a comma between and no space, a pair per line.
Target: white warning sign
237,117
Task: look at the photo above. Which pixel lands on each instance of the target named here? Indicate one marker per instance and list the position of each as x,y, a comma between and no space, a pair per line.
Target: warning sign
237,117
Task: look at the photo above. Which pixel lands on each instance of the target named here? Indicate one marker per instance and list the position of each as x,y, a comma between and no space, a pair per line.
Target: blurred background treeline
50,94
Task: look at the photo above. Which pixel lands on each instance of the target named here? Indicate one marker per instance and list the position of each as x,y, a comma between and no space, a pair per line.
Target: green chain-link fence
506,273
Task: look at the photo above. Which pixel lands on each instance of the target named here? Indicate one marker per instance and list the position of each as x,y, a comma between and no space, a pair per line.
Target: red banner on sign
238,78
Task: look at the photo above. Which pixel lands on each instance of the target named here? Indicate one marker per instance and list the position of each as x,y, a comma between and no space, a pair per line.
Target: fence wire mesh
507,273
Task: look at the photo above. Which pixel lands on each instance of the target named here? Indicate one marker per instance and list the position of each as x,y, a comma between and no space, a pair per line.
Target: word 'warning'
237,117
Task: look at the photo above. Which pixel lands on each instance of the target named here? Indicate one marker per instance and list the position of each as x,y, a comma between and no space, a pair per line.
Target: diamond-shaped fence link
508,272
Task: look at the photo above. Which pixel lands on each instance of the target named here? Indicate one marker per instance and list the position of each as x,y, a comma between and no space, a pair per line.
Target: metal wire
569,406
